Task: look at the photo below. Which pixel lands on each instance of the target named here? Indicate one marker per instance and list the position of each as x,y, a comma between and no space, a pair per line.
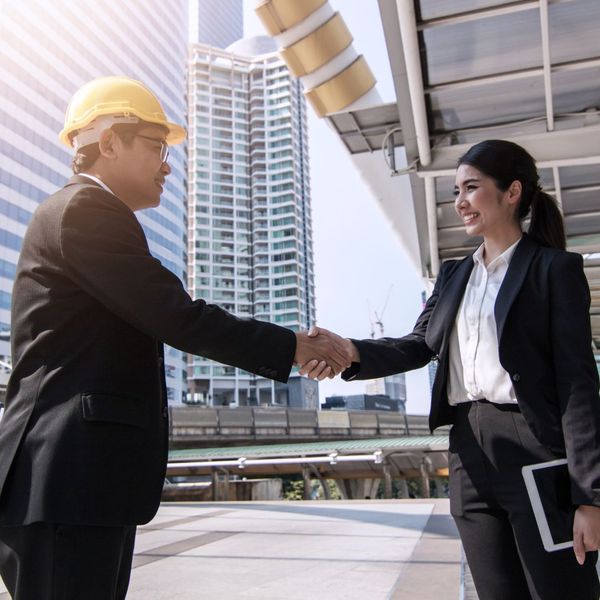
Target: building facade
433,364
220,22
381,402
250,226
48,50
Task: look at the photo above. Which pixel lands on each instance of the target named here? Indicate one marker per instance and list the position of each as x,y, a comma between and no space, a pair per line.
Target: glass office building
220,22
250,225
47,51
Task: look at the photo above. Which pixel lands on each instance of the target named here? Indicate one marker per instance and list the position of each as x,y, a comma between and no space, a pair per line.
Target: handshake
321,353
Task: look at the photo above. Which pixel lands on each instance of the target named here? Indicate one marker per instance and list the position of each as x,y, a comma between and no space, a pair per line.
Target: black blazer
545,344
83,439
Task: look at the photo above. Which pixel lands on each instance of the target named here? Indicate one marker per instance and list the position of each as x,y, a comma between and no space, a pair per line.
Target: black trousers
489,443
46,561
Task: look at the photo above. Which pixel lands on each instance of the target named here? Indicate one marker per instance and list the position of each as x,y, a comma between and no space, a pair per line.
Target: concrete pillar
425,487
439,487
358,489
345,489
215,485
341,486
307,482
387,479
374,487
402,488
220,489
365,488
322,481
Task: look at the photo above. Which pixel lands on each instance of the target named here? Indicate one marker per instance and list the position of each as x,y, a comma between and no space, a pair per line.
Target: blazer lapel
513,280
444,314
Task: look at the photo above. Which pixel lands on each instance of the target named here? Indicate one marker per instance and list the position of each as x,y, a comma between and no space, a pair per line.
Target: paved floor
375,550
296,550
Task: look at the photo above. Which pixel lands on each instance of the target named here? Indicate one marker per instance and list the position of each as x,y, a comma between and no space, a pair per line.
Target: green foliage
334,492
293,488
294,491
415,488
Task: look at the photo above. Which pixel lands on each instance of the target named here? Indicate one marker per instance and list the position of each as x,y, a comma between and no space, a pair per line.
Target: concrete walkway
360,550
298,550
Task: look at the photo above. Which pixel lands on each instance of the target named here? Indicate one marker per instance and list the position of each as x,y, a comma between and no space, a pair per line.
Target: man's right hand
341,353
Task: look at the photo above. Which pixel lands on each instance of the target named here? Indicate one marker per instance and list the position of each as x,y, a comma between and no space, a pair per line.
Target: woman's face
482,207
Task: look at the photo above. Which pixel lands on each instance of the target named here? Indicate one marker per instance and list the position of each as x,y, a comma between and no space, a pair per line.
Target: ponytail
546,226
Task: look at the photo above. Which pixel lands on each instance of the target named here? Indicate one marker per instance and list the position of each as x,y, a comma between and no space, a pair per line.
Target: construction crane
379,316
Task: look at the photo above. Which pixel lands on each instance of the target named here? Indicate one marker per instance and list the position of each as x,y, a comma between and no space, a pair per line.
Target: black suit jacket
84,435
545,344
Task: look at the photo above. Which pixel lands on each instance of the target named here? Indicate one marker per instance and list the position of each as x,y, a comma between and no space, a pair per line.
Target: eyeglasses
164,147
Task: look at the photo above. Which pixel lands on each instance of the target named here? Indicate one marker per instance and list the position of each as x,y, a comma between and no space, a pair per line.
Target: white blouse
475,371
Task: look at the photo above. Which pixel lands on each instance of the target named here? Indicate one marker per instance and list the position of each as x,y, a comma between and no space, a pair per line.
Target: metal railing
202,424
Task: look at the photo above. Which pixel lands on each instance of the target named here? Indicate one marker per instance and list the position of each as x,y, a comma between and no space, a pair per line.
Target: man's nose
165,168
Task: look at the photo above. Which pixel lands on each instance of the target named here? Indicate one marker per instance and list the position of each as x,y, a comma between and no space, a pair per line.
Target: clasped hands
321,353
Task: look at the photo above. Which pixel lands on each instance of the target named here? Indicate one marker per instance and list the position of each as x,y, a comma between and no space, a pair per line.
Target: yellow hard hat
126,99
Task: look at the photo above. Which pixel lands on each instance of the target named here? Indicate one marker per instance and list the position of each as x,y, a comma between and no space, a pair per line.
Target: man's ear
108,143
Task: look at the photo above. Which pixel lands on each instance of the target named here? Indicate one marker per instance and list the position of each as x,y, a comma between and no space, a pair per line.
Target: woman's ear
514,192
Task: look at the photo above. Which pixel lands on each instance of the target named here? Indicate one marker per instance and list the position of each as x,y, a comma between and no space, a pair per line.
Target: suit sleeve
576,375
388,356
106,254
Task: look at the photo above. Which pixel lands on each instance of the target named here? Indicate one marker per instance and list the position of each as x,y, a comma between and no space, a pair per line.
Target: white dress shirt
98,181
475,371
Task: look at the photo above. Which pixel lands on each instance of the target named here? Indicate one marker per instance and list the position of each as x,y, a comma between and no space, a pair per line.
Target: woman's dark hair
86,156
506,162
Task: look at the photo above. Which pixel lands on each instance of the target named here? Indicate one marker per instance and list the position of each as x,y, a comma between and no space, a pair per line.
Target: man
83,441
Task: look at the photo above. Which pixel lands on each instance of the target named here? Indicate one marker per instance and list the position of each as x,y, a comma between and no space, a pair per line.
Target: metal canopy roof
349,458
429,443
469,70
366,130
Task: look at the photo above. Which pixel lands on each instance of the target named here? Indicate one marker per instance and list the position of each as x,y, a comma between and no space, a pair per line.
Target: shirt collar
502,259
98,181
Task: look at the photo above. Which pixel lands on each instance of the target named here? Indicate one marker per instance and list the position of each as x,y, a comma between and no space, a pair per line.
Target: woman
510,327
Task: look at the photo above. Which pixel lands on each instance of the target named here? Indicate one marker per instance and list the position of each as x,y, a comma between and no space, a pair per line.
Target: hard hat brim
176,133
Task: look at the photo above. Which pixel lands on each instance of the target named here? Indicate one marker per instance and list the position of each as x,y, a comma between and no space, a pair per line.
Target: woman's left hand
586,531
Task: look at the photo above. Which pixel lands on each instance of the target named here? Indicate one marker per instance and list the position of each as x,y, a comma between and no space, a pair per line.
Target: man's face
141,169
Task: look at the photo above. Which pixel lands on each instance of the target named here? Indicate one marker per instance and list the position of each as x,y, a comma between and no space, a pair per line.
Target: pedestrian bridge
206,427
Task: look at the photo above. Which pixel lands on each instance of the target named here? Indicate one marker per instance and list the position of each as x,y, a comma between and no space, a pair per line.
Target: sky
359,260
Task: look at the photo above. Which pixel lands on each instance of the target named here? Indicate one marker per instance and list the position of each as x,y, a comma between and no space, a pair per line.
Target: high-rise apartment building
220,22
433,365
48,50
250,231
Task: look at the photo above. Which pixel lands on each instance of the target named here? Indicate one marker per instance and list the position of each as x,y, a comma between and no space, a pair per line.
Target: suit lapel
513,280
444,315
438,337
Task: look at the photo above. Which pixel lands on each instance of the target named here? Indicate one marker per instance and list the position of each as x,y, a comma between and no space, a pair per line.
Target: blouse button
516,377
